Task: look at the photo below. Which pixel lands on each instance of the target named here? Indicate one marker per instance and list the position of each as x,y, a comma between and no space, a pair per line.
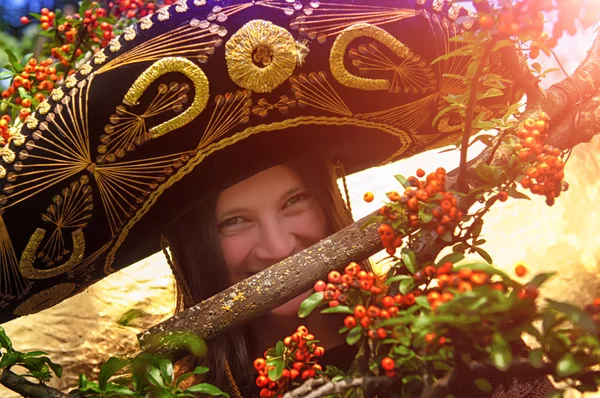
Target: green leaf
200,370
446,237
14,62
5,341
56,368
409,260
209,389
425,217
493,92
452,258
501,354
422,301
340,309
483,385
34,354
540,279
85,4
485,255
279,347
513,193
153,376
402,180
112,366
6,75
276,366
568,365
576,315
536,67
166,370
9,359
406,286
354,335
489,173
536,358
397,278
309,304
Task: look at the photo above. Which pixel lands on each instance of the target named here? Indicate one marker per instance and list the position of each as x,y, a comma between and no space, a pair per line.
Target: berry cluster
335,292
135,8
543,173
4,129
425,202
300,359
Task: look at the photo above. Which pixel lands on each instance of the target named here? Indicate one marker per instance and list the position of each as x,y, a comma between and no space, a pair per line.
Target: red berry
334,276
350,322
24,20
319,286
259,363
520,270
387,363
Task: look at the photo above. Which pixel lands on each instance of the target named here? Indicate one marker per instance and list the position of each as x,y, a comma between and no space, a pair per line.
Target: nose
276,242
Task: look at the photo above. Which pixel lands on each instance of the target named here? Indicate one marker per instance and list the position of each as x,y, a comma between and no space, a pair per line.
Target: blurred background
82,332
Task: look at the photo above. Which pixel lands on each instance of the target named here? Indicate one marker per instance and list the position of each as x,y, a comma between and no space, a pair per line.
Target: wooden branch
28,389
315,388
580,86
264,291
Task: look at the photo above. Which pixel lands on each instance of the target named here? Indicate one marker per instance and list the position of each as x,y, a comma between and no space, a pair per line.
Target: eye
297,198
231,222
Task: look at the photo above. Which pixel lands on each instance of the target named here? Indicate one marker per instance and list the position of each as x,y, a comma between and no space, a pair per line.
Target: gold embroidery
314,90
86,69
72,209
2,172
330,18
70,82
230,110
114,44
99,58
29,254
163,14
127,129
44,106
17,138
8,156
161,67
437,5
403,138
31,122
454,11
45,299
81,268
199,3
410,116
146,22
263,106
58,151
260,56
12,284
412,74
181,6
57,94
129,33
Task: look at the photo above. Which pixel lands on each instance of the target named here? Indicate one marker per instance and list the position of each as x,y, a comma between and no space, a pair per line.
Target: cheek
310,226
235,250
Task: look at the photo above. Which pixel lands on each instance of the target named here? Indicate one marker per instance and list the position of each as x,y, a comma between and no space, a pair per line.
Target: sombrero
200,94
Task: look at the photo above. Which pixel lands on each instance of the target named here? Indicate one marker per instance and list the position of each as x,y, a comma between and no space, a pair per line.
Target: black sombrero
204,92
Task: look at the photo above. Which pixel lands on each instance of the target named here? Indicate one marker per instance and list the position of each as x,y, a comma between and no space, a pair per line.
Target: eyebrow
229,213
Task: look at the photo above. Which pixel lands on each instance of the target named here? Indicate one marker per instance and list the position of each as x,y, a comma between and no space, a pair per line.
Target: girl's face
265,219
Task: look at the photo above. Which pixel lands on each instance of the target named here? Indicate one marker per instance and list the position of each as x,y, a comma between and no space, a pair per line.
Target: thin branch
316,390
28,389
464,146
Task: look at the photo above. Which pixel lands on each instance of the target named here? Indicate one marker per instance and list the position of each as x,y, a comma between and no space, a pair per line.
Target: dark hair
195,246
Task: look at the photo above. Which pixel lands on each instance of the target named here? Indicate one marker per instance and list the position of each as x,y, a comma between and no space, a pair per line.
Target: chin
291,307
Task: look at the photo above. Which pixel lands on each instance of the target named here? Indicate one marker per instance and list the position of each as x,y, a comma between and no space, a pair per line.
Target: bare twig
316,390
26,388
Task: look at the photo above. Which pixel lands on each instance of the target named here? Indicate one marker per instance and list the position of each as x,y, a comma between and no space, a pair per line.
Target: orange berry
520,270
260,363
486,22
429,337
388,363
420,173
502,196
334,276
350,322
360,311
369,197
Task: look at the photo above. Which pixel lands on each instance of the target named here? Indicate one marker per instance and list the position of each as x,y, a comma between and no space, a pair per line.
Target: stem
26,388
464,147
